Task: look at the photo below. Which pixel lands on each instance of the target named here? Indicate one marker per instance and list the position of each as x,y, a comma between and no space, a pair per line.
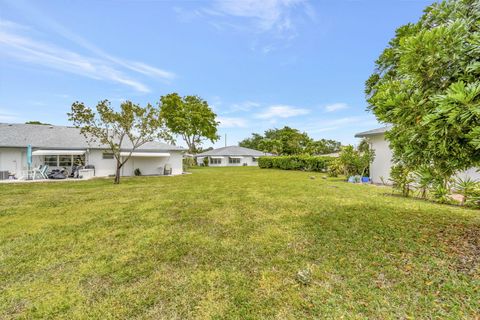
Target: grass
236,243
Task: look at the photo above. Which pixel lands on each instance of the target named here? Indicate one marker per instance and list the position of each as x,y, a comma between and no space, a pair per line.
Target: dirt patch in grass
463,242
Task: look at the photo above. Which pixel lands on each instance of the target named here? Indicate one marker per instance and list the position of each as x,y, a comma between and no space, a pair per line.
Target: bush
304,163
188,163
402,179
137,172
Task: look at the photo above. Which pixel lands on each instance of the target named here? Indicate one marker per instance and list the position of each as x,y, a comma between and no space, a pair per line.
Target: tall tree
322,146
427,84
287,141
292,141
132,126
191,118
253,142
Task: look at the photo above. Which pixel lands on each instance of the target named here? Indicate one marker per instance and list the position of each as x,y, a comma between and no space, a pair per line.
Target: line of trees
289,141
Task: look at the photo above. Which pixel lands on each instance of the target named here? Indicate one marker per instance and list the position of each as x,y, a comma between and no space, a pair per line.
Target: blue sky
259,64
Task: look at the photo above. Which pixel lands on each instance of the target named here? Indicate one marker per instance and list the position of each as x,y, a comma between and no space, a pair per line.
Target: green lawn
236,243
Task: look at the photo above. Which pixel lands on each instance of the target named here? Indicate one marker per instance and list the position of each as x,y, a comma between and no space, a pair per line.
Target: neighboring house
230,156
380,167
61,146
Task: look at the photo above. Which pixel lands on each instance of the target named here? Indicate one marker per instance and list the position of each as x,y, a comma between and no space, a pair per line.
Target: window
50,161
107,155
254,159
234,160
79,160
65,161
215,161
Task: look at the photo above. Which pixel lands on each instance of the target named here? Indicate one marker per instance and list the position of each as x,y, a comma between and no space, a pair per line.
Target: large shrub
304,163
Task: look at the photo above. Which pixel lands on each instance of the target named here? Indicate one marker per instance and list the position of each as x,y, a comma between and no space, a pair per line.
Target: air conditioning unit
3,175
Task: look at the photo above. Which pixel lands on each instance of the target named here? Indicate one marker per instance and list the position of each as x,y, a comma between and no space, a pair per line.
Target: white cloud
335,107
267,14
281,111
228,122
101,67
244,106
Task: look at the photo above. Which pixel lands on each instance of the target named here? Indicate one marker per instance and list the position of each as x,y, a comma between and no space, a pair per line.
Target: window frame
215,161
108,155
234,160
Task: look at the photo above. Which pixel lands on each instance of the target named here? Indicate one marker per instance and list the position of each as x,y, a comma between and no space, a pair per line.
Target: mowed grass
233,243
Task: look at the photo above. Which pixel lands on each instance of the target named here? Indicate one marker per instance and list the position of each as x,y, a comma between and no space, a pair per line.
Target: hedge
305,163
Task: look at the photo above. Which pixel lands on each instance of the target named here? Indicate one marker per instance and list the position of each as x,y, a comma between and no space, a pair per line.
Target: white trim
216,157
58,152
146,154
233,157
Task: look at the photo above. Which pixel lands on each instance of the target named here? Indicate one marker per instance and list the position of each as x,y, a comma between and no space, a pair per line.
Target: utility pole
225,139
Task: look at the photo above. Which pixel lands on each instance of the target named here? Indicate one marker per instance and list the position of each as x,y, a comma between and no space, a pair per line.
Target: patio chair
167,170
40,171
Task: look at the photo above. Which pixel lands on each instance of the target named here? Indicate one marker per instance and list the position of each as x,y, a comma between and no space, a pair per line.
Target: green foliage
322,146
427,84
205,161
354,162
441,192
289,141
38,122
137,172
190,117
424,178
189,162
304,163
402,179
335,168
467,187
132,124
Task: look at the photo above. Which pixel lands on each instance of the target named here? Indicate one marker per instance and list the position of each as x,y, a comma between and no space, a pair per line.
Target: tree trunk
117,174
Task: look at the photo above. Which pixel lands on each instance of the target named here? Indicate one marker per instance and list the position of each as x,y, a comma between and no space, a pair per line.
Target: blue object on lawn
351,179
365,179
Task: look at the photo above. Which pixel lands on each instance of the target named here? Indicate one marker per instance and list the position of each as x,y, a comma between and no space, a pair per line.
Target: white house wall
11,160
380,167
14,160
103,167
248,160
154,165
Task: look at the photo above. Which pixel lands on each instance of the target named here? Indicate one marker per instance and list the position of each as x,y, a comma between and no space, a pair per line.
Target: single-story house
63,146
382,163
230,156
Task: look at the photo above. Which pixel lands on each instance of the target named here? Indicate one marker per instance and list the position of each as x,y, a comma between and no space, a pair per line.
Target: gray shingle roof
233,151
372,132
60,137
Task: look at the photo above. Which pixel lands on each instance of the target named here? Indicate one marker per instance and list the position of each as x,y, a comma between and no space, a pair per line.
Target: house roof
233,151
372,132
61,137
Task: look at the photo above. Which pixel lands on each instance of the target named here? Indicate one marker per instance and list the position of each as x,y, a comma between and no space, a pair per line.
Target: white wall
14,160
225,162
103,167
382,163
11,159
154,165
147,165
